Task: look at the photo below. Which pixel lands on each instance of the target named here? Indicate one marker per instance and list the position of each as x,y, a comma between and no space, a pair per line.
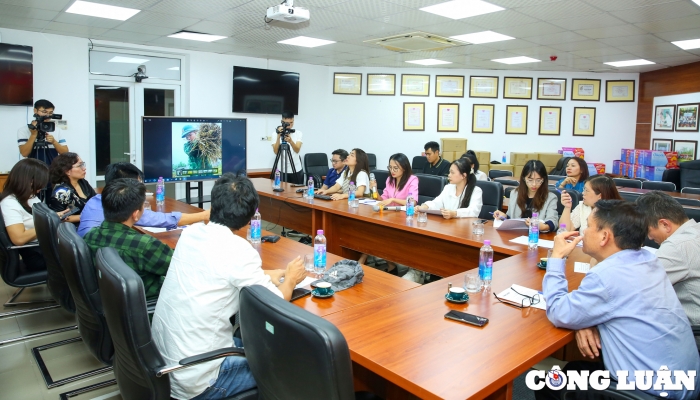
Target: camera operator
287,133
34,143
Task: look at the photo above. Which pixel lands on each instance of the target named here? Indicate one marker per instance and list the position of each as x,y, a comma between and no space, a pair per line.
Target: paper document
581,267
434,212
414,116
153,230
448,118
510,224
516,119
369,201
550,121
483,119
519,294
305,283
544,243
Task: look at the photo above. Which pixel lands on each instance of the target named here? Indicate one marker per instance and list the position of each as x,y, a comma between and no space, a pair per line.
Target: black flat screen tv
16,75
191,148
265,91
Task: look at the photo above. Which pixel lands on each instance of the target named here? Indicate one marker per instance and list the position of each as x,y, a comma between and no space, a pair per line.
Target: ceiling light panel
629,63
482,37
688,44
429,61
516,60
459,9
102,10
200,37
305,41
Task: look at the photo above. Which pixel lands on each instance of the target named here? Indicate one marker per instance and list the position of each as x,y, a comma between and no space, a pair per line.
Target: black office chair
492,196
139,368
316,165
553,179
690,174
690,190
692,213
688,202
292,353
381,176
656,185
574,199
630,183
673,176
429,187
497,173
418,163
507,190
509,182
629,196
372,161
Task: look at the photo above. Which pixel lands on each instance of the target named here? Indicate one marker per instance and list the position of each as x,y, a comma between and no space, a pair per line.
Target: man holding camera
293,138
40,144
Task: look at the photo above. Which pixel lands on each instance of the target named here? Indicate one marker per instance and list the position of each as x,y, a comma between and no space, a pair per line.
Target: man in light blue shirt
627,296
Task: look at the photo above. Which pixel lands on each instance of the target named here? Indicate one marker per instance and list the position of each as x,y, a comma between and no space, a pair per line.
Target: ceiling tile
597,52
55,5
668,25
498,54
75,19
560,10
77,29
367,8
137,4
9,21
33,13
611,31
652,49
215,28
657,12
631,40
577,23
195,9
316,4
563,37
450,28
239,19
471,49
574,46
340,35
607,5
411,19
500,19
330,19
509,44
415,3
534,29
610,58
521,3
680,35
131,37
372,52
149,29
689,58
375,29
164,20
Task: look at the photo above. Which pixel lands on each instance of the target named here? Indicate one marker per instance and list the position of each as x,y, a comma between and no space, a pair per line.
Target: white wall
674,100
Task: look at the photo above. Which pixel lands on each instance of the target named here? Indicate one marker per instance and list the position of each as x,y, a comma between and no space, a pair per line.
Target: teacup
457,294
323,288
543,263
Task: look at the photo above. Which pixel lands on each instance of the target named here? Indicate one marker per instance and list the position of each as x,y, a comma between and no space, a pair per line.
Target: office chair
663,186
315,165
372,161
381,176
292,353
690,174
629,196
139,368
429,187
687,202
507,190
629,183
673,176
418,163
497,173
690,190
692,213
553,179
575,198
509,182
492,196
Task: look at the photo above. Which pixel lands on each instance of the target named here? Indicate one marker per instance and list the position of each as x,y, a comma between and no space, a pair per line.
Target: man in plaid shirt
122,201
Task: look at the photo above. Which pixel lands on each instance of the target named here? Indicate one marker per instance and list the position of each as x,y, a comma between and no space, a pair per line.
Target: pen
501,218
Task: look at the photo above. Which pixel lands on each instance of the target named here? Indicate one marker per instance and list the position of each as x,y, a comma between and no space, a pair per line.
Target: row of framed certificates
483,116
485,87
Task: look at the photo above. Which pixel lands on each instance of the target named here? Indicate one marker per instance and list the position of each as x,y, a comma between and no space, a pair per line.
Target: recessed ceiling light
482,37
200,37
688,44
516,60
305,41
429,61
128,60
629,63
458,9
102,10
696,2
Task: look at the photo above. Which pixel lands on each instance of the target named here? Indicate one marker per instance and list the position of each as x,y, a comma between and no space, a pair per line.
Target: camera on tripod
43,127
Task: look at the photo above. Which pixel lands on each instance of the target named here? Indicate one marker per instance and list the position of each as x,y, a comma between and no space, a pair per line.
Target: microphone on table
392,208
373,190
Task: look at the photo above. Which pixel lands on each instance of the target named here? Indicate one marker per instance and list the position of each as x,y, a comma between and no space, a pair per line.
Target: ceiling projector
286,12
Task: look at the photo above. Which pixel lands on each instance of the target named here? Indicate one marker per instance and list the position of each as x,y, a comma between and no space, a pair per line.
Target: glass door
112,121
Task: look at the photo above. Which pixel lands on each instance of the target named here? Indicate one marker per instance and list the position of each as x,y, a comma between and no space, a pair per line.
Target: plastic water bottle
278,180
372,179
319,252
486,265
562,229
255,227
160,192
410,206
310,193
351,193
534,235
504,158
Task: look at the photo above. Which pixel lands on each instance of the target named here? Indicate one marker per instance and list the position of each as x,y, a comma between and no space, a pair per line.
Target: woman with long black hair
461,198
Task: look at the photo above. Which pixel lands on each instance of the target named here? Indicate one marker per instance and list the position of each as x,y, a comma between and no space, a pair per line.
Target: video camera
42,126
285,129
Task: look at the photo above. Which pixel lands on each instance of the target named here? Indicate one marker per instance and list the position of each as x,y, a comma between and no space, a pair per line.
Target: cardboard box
616,167
652,173
485,167
521,158
549,159
638,171
484,157
654,158
502,167
453,144
596,168
572,152
518,170
450,155
623,155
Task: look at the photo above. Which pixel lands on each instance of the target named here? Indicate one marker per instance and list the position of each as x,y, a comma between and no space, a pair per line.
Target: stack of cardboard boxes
452,148
484,158
647,164
549,160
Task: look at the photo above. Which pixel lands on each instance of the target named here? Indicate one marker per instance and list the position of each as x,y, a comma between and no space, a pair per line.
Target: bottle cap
562,225
535,215
352,183
319,232
487,242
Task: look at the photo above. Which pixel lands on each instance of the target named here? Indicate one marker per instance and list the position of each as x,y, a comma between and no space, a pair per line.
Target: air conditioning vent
416,41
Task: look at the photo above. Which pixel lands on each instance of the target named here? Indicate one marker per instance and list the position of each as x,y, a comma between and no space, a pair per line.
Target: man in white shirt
201,290
294,141
26,138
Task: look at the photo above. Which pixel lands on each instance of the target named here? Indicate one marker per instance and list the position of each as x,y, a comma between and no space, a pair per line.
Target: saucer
539,265
456,301
314,293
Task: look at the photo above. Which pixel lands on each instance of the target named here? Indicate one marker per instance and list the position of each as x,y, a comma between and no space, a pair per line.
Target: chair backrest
690,174
497,173
630,183
629,196
655,185
492,196
560,168
429,187
372,161
688,202
509,182
555,178
507,190
693,213
292,353
136,357
46,224
381,176
10,263
81,276
575,198
673,176
690,190
315,164
418,163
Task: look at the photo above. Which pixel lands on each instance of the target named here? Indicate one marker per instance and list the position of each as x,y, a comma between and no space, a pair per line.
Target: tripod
285,155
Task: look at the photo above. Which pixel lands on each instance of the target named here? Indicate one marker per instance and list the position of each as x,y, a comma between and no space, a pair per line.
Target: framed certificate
662,144
483,86
687,150
550,121
449,86
381,84
516,120
687,117
585,89
664,117
517,88
415,85
347,83
482,118
448,118
413,116
551,89
619,91
584,121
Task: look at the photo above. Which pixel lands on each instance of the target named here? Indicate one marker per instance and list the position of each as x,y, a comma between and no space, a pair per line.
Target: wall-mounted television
265,91
16,75
191,148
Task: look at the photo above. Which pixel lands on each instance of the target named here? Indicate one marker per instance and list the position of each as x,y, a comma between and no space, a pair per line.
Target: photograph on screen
196,149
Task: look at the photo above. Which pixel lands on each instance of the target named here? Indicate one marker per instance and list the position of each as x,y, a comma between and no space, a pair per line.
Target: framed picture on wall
687,117
516,120
449,86
550,121
415,85
347,83
517,88
482,118
413,116
584,121
585,89
664,117
687,149
662,144
448,118
619,91
551,89
483,86
381,84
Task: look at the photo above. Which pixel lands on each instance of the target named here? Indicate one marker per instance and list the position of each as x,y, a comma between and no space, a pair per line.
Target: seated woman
357,172
598,187
576,175
70,189
480,175
27,178
461,198
533,195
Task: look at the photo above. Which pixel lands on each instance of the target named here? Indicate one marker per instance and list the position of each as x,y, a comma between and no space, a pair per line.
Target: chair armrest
28,245
201,358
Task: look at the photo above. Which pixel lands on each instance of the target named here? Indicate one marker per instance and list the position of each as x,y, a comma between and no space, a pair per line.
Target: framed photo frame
483,86
687,149
551,89
347,83
516,120
664,117
482,118
381,84
584,121
585,89
517,88
687,117
415,85
413,116
449,86
619,91
662,144
550,121
448,117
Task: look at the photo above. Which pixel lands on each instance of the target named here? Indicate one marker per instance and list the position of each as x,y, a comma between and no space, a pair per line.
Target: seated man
122,201
338,160
627,296
93,215
436,165
210,266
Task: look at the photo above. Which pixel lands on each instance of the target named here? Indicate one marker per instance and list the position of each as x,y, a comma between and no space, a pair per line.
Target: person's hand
568,180
527,221
64,212
588,341
320,191
423,207
447,214
562,247
338,196
50,138
206,214
566,199
385,203
276,275
279,129
499,215
295,271
373,184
